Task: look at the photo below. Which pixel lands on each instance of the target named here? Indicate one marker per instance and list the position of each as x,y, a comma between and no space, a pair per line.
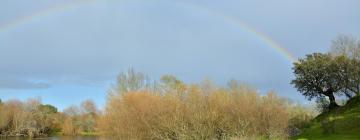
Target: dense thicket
29,118
33,119
80,120
174,110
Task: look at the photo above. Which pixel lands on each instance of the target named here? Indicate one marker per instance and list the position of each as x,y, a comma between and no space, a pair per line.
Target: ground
341,123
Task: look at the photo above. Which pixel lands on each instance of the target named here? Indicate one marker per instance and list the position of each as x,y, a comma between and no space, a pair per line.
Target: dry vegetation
80,120
176,111
29,118
33,119
169,109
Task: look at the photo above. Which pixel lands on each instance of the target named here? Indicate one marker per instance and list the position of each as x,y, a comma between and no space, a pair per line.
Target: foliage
299,118
48,109
322,75
348,46
29,118
80,120
322,105
33,119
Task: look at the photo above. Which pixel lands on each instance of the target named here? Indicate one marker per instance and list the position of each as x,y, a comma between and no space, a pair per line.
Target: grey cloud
89,46
14,83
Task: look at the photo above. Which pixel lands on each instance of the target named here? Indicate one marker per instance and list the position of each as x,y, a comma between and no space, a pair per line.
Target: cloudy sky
66,51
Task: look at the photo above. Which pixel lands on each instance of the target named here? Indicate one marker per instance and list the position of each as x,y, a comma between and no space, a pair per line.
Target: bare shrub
29,118
195,112
80,119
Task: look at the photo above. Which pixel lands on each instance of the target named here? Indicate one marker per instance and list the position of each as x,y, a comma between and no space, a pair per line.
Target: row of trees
32,118
139,108
337,73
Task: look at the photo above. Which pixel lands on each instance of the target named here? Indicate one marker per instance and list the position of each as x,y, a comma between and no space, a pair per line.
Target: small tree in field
318,75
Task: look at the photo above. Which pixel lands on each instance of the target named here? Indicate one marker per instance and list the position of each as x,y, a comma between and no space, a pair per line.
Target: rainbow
268,40
43,13
74,3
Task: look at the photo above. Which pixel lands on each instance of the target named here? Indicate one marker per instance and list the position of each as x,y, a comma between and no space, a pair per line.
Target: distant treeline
33,119
167,109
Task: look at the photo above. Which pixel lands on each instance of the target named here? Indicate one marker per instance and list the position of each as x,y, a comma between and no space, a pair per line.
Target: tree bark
333,103
330,94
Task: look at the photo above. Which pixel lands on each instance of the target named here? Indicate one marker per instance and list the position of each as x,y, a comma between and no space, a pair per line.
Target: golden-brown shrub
196,113
80,119
29,118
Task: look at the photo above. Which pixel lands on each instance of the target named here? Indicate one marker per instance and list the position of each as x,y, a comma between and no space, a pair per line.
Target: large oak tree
321,75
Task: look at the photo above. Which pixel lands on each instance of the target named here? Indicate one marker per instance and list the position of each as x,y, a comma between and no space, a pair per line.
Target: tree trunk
333,103
330,94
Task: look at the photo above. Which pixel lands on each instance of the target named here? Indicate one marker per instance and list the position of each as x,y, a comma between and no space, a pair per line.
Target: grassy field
341,123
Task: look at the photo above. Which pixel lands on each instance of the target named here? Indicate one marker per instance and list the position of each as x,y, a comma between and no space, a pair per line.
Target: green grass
343,122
